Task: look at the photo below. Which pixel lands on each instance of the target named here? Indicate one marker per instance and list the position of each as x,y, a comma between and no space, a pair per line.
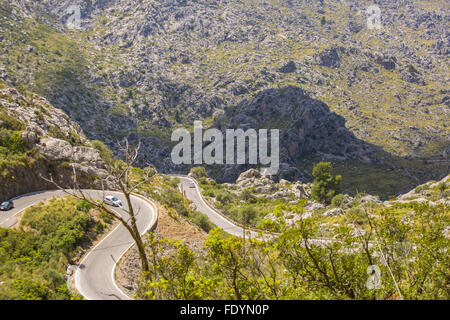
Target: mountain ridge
142,68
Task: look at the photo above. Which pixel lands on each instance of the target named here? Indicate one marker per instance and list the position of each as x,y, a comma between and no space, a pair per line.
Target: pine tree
325,185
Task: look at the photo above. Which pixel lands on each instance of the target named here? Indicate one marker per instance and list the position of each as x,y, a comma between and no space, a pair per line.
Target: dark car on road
7,205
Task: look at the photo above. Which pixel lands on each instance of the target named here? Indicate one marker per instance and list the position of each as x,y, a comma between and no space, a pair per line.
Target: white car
191,185
112,201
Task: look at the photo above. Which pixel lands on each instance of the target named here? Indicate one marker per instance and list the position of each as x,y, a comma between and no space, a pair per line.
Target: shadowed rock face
307,128
329,58
288,67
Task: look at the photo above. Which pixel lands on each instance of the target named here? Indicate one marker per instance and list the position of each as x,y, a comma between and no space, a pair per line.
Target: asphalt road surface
193,194
94,277
8,219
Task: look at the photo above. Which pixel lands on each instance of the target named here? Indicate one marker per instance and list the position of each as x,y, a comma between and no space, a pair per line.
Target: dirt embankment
175,228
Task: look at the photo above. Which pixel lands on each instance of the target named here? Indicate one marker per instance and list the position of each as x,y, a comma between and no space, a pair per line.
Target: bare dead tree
119,176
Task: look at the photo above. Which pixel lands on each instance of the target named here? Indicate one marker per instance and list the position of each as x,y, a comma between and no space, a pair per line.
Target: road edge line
150,226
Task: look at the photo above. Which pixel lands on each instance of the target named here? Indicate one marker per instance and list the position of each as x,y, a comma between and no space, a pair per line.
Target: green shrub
198,172
84,206
173,199
325,185
31,290
209,193
338,201
11,142
10,123
442,187
247,214
171,182
202,221
106,217
39,115
357,215
223,196
105,153
247,195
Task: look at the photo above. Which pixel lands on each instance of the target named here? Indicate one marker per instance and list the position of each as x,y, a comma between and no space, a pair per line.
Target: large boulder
329,58
288,67
59,150
300,190
280,194
55,149
387,61
370,198
247,176
333,212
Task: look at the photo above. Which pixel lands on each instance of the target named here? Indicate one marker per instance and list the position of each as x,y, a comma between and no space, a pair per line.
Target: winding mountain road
94,277
193,194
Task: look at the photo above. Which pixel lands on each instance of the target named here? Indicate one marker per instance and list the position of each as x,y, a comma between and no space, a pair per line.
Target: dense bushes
224,196
11,142
12,147
35,256
411,237
201,220
10,123
247,214
198,172
338,200
245,207
105,153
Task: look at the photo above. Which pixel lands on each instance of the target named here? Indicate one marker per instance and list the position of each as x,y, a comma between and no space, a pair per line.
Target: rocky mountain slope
142,68
307,127
38,140
251,189
419,216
